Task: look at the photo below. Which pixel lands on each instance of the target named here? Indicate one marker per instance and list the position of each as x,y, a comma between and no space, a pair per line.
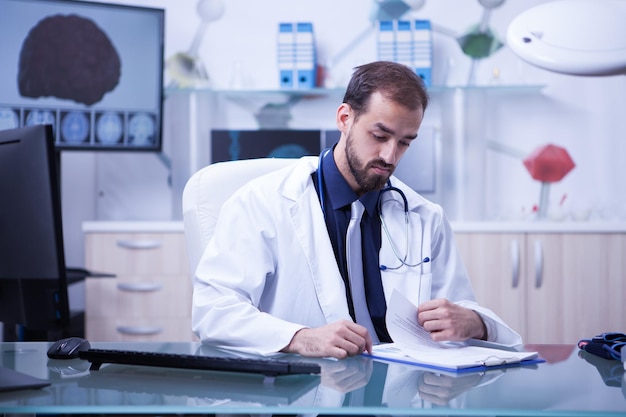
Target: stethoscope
388,188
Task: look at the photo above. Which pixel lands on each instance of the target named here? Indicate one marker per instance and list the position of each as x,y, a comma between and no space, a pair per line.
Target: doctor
274,277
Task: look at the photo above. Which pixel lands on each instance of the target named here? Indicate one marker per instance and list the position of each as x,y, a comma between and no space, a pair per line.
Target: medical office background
482,121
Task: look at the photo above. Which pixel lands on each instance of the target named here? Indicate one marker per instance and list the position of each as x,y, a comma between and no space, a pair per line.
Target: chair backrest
208,189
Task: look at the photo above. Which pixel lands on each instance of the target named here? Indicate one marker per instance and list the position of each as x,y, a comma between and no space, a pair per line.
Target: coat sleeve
231,278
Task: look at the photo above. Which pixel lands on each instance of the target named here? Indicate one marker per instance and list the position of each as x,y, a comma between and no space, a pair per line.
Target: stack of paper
413,345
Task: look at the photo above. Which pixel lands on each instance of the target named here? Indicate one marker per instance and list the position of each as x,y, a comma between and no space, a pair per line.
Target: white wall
582,114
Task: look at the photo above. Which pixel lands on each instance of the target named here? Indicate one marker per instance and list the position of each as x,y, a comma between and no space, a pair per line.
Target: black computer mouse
68,348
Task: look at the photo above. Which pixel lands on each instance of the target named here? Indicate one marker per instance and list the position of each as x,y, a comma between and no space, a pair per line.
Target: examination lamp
576,37
186,68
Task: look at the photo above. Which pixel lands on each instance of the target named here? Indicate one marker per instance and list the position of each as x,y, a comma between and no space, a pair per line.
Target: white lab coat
270,270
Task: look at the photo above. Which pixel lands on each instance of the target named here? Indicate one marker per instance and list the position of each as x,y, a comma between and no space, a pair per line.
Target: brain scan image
141,129
8,118
109,128
75,127
40,117
68,57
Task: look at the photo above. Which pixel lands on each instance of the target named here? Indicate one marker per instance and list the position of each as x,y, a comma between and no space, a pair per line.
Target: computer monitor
230,145
91,69
33,281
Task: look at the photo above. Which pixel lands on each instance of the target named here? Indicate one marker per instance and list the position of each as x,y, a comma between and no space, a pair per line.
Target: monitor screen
231,145
94,71
33,284
417,168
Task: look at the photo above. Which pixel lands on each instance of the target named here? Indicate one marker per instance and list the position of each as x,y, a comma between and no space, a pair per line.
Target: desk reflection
352,382
418,388
143,385
569,382
611,371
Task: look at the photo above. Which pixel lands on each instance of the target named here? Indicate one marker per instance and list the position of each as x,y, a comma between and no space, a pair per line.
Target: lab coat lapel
310,229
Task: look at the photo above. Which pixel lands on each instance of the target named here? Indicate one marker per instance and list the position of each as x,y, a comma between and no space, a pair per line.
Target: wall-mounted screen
231,145
94,71
417,168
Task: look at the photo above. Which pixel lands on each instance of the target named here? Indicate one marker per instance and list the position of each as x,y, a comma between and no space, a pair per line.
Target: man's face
375,142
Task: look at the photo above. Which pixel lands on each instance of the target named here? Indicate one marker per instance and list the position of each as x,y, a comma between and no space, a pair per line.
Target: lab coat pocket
425,285
410,282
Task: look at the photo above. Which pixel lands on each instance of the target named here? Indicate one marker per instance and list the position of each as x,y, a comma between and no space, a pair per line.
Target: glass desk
569,383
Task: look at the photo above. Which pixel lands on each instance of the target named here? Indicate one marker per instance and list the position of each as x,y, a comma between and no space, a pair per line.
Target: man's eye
377,137
405,143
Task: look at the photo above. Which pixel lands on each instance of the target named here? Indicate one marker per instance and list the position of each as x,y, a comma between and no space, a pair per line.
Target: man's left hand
447,321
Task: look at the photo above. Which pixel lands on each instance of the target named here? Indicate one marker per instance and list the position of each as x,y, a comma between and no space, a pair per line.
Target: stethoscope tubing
388,188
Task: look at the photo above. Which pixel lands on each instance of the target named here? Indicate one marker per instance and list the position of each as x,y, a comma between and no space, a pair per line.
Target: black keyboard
265,366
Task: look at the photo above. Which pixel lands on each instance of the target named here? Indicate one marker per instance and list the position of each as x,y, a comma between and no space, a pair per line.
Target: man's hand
441,389
339,340
348,374
447,321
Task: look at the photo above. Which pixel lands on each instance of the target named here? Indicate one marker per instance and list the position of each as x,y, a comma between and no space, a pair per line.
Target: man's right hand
339,340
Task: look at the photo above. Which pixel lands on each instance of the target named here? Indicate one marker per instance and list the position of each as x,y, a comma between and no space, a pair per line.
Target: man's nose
389,152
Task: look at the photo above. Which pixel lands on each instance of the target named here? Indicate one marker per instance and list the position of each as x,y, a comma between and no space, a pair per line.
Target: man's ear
343,117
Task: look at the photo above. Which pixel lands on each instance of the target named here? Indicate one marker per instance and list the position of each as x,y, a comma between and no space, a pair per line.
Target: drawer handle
139,244
515,262
139,330
139,287
538,264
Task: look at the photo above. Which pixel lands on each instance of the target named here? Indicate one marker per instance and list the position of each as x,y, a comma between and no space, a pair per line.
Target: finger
357,345
424,317
368,343
364,334
435,324
430,305
336,352
429,315
431,322
359,335
347,379
438,380
433,395
344,344
438,336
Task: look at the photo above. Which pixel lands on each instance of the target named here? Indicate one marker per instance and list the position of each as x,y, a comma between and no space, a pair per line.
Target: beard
361,171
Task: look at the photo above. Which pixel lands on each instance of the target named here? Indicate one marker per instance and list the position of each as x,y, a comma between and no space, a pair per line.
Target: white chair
208,189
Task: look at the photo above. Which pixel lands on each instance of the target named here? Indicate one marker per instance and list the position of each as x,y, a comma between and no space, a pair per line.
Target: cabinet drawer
149,299
136,253
135,330
133,297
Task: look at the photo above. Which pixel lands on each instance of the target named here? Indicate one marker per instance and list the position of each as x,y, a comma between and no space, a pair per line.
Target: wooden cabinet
550,287
150,297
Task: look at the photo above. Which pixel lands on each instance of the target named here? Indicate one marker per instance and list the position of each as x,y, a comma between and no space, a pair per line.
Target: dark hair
396,81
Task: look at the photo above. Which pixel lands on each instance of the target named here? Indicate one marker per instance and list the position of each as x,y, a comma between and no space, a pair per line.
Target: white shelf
478,227
323,92
540,227
132,226
460,114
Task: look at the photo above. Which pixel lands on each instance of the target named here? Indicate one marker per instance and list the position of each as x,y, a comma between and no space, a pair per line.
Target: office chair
208,189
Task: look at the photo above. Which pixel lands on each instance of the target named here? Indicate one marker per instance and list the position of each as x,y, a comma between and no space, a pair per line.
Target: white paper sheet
412,343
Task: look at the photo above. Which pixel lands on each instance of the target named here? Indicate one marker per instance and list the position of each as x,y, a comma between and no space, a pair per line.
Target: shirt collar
339,192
